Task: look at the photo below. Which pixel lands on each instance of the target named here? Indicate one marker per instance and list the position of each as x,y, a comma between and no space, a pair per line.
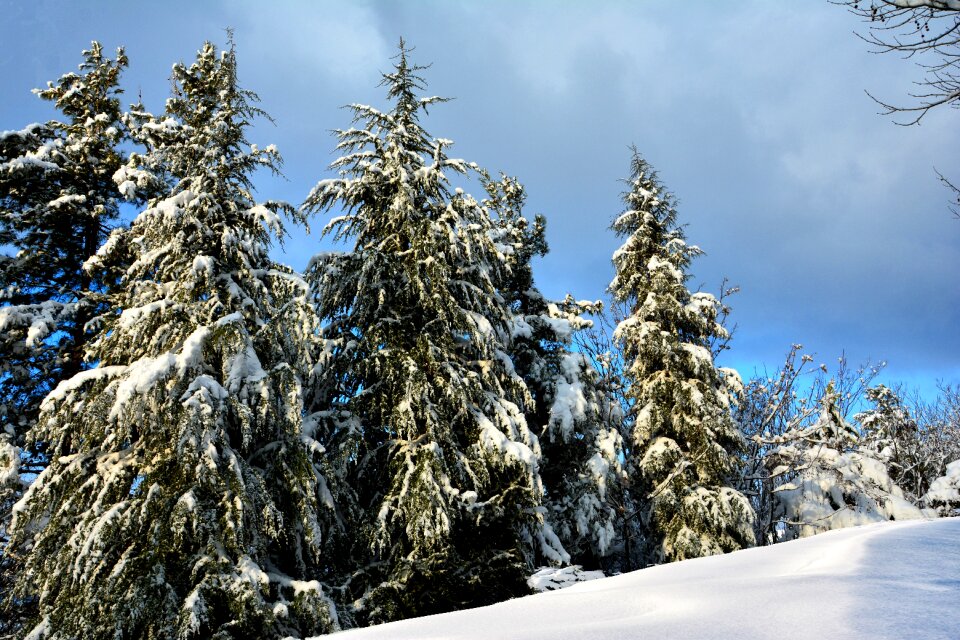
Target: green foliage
575,418
57,204
182,498
684,440
416,385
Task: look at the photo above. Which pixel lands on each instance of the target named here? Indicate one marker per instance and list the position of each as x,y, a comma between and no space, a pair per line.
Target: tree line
201,442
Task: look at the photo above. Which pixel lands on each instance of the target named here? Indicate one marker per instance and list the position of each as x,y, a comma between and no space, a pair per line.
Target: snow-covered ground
889,580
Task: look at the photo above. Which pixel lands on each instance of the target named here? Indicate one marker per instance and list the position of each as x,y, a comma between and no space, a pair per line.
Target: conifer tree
416,391
684,440
890,434
572,414
57,203
182,498
825,479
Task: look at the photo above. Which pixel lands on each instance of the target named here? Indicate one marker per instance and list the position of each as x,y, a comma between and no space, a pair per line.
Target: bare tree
939,425
925,30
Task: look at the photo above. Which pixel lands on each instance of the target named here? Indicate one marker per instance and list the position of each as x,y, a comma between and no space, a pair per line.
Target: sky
826,214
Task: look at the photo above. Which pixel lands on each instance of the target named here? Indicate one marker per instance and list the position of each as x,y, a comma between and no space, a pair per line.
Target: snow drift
887,580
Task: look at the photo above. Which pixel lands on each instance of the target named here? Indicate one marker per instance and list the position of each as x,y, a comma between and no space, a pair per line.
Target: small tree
684,440
825,480
181,498
781,408
890,434
944,493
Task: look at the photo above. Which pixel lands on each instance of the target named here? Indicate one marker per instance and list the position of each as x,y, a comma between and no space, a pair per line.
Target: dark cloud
825,213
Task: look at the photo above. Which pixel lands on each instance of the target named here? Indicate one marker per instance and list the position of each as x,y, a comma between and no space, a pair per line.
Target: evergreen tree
944,493
825,480
57,203
890,435
416,392
573,415
182,499
684,440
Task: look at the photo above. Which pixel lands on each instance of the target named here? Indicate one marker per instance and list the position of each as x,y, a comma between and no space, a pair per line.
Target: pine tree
572,414
182,498
57,203
416,392
684,440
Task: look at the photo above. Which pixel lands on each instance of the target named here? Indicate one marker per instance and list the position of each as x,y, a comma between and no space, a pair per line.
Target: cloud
331,42
826,214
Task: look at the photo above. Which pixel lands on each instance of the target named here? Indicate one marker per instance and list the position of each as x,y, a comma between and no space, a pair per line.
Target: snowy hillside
889,580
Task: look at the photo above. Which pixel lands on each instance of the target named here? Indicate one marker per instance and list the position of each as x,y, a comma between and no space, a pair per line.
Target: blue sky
826,214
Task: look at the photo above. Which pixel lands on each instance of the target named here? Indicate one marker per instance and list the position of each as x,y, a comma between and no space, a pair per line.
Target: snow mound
944,493
886,580
553,578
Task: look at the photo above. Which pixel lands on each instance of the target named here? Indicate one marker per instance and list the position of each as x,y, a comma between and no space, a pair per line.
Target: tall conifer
574,417
58,202
182,499
684,444
417,391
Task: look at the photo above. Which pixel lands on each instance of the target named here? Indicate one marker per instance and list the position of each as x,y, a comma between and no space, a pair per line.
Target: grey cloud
826,214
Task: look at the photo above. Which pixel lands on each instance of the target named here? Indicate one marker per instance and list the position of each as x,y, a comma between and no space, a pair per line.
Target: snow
835,490
141,376
67,200
570,403
39,319
9,464
554,578
495,440
134,315
945,491
888,580
249,571
78,381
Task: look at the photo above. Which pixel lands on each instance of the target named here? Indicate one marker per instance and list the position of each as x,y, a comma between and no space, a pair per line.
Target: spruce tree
827,479
572,414
182,498
684,440
890,434
57,203
416,392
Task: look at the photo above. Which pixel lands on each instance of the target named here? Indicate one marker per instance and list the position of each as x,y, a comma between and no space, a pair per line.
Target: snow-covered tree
416,391
57,204
182,499
890,434
825,480
944,493
574,417
938,421
684,440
